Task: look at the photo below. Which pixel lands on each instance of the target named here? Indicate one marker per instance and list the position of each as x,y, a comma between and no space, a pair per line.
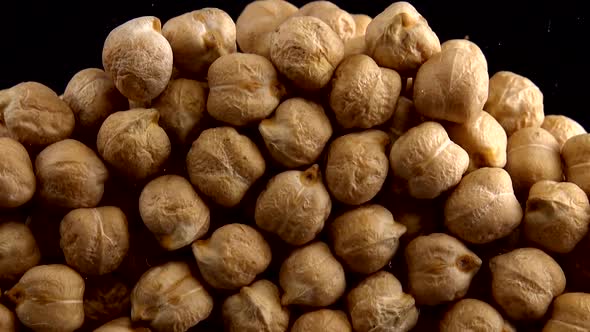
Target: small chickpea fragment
33,114
378,303
363,95
233,256
428,160
17,180
514,101
223,164
257,22
483,207
357,166
525,281
357,44
297,132
473,315
562,128
295,205
173,211
557,215
575,153
261,297
323,320
400,38
8,322
570,313
366,238
49,298
440,268
532,155
339,20
243,88
70,175
122,324
133,143
170,299
311,276
200,37
307,51
138,58
18,250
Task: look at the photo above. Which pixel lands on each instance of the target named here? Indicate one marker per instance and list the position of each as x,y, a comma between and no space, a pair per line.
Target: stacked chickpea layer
301,169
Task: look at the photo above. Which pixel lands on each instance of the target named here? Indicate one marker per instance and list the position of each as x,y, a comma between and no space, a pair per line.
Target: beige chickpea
170,299
483,207
18,250
357,44
200,37
474,315
49,298
452,85
440,268
363,95
400,38
257,22
17,180
404,118
466,45
483,138
562,128
378,303
525,281
575,153
261,297
532,155
182,107
339,20
366,238
323,320
8,322
311,276
570,313
133,143
223,164
33,114
173,211
233,256
297,132
357,166
295,205
514,101
307,51
92,96
122,324
243,89
428,160
138,58
557,215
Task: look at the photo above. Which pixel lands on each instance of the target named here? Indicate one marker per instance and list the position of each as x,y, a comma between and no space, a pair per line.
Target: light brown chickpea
366,238
570,313
483,207
138,58
17,180
323,320
122,324
257,22
400,38
232,257
350,99
311,276
474,315
575,153
357,44
133,143
562,128
514,101
525,281
8,322
357,166
428,160
295,205
339,20
466,45
557,215
297,132
70,175
18,250
173,211
307,51
243,89
170,299
33,114
261,297
200,37
378,303
223,164
49,298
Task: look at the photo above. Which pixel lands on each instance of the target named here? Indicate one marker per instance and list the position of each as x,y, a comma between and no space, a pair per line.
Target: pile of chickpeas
300,169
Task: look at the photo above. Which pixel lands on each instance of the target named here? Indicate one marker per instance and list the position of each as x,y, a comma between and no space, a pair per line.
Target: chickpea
570,313
562,128
357,44
475,315
323,320
18,250
339,20
17,180
575,152
8,322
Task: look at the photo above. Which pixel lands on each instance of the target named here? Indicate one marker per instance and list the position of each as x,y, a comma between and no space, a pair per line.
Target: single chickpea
323,320
570,313
474,315
339,20
18,251
575,153
357,44
138,58
466,45
17,180
562,128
